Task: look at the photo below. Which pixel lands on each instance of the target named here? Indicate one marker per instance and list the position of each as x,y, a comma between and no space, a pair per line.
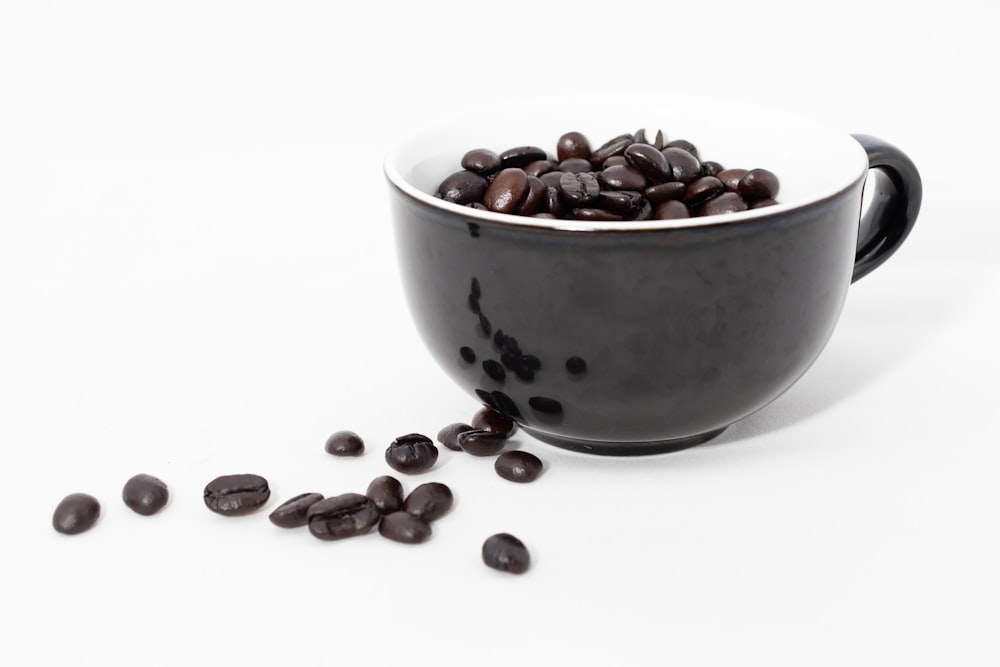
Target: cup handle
892,210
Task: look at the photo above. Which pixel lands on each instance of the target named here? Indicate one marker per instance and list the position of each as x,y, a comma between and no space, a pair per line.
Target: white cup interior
812,161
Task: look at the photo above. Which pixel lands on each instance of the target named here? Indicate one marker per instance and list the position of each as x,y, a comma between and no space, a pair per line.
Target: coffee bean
625,202
518,466
346,515
506,553
76,513
448,436
535,199
573,145
661,192
236,495
293,512
553,202
429,501
711,168
615,161
507,191
488,419
482,443
671,209
731,178
539,167
758,184
404,527
622,178
545,405
467,353
727,202
145,494
463,187
579,189
614,147
494,369
481,161
387,494
345,443
551,178
649,161
411,453
701,190
597,214
575,165
684,145
684,166
521,156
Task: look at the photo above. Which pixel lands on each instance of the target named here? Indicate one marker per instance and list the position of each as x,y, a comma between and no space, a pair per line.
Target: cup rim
392,172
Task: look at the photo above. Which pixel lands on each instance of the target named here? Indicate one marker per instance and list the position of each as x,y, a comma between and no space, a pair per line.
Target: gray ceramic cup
646,336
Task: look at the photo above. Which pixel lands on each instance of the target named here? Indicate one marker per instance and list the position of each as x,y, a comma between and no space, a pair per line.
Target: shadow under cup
646,336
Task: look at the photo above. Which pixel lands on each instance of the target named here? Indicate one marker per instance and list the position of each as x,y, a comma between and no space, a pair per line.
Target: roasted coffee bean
345,443
482,443
535,200
448,436
235,495
621,177
684,166
293,512
463,187
649,161
579,189
539,167
683,144
664,191
518,466
551,178
610,149
429,501
615,161
658,141
640,136
711,168
507,191
404,527
701,190
575,165
346,515
145,494
76,513
573,145
758,184
727,202
553,202
671,209
488,419
521,156
481,161
595,214
411,453
506,553
731,178
387,494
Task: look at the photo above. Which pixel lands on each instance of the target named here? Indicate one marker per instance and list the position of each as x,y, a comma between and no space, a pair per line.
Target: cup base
603,448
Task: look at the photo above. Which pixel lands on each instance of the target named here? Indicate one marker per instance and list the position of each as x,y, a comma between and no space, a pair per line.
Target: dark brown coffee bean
658,141
507,191
553,203
481,161
622,178
463,187
506,553
573,145
404,527
448,436
701,190
482,443
731,178
518,466
663,191
488,419
579,189
575,165
345,443
649,161
595,215
236,495
535,199
615,161
521,156
640,136
684,145
145,494
293,512
758,184
624,202
551,178
671,209
761,203
76,513
429,501
387,494
614,147
411,453
684,166
346,515
711,168
727,202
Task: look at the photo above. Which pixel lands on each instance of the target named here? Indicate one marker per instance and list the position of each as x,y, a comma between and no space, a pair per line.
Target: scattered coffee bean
506,553
292,513
481,161
521,156
411,453
701,190
649,161
518,466
671,209
573,145
345,443
404,527
727,202
488,419
145,494
731,178
482,443
463,187
338,517
76,513
236,495
387,494
758,184
684,166
429,501
579,189
507,191
448,436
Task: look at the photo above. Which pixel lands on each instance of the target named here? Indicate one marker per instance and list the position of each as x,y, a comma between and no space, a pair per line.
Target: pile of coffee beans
628,177
405,518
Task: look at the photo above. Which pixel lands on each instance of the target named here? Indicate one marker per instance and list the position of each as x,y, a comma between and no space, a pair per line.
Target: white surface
197,278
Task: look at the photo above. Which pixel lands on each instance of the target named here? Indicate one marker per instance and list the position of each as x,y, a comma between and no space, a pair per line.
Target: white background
197,277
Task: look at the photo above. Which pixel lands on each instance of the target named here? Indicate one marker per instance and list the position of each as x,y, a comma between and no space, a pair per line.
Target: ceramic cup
645,336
